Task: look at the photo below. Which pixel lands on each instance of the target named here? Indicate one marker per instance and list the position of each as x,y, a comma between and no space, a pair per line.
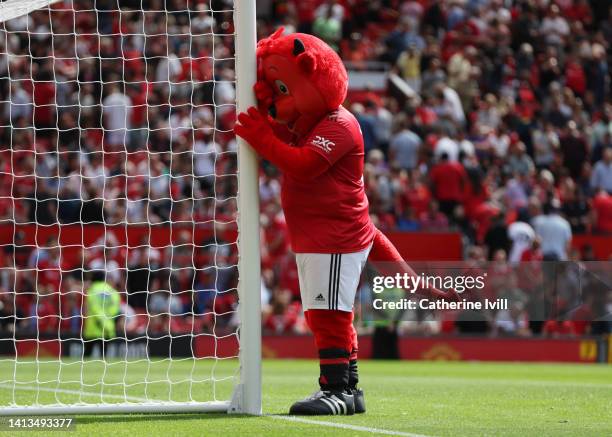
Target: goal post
248,393
131,378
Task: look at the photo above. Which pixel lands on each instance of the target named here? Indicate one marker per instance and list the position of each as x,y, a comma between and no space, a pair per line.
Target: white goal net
119,181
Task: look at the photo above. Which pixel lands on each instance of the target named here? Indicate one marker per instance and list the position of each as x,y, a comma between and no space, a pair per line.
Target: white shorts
330,281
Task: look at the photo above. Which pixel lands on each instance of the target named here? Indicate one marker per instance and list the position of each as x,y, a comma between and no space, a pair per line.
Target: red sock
334,336
353,372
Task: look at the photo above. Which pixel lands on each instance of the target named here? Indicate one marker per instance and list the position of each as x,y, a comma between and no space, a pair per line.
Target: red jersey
329,214
602,204
448,179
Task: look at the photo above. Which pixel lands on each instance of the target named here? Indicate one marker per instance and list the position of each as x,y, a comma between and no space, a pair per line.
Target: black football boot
325,403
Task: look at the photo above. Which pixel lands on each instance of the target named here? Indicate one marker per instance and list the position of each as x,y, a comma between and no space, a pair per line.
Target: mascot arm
281,131
300,162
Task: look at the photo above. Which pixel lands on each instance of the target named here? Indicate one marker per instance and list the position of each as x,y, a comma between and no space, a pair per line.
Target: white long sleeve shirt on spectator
522,236
117,109
337,12
451,96
96,175
555,233
554,29
110,266
601,178
205,153
20,105
405,148
168,68
448,146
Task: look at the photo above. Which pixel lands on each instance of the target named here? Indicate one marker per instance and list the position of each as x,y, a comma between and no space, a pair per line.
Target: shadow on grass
128,418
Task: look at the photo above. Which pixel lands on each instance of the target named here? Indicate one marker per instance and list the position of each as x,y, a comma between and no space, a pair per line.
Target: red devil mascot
302,128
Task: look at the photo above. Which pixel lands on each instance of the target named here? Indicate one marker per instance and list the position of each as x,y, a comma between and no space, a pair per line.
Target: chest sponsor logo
323,143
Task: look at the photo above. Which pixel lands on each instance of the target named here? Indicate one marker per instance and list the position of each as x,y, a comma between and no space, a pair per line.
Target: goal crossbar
10,9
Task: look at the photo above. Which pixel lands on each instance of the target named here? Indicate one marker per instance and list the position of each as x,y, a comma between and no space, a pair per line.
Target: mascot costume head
306,79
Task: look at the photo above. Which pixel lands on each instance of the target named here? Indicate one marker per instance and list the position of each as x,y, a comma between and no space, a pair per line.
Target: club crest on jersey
323,143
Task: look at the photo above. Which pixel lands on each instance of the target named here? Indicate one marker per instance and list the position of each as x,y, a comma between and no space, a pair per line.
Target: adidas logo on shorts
320,298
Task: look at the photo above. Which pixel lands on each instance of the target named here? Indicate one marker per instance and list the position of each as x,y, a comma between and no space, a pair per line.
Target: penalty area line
344,426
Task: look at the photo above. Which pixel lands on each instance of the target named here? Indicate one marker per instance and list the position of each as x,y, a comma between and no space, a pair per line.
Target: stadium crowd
505,137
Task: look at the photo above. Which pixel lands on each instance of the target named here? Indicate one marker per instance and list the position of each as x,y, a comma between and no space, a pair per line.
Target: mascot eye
282,88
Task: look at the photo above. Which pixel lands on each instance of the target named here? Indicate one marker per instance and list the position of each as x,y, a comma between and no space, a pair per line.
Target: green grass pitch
403,398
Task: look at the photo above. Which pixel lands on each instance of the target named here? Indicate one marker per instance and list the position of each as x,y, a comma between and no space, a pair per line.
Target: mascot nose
272,111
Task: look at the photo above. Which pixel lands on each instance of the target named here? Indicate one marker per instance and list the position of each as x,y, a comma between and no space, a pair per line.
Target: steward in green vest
103,309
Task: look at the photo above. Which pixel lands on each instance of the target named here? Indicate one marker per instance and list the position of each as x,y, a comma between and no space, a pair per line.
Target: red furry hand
301,162
254,128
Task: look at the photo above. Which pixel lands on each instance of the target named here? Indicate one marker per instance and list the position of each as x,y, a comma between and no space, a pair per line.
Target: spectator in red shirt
602,212
476,193
575,76
305,13
558,328
579,10
534,253
447,184
283,314
45,313
275,234
44,101
49,274
413,194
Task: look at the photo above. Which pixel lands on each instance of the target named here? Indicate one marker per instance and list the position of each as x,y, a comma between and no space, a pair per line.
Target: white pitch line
73,392
287,418
345,426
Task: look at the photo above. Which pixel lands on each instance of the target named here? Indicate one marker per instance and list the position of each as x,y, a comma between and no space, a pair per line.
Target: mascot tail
386,258
388,261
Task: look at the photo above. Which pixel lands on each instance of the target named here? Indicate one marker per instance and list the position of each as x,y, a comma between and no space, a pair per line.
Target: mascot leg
354,373
328,284
334,335
332,330
336,340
